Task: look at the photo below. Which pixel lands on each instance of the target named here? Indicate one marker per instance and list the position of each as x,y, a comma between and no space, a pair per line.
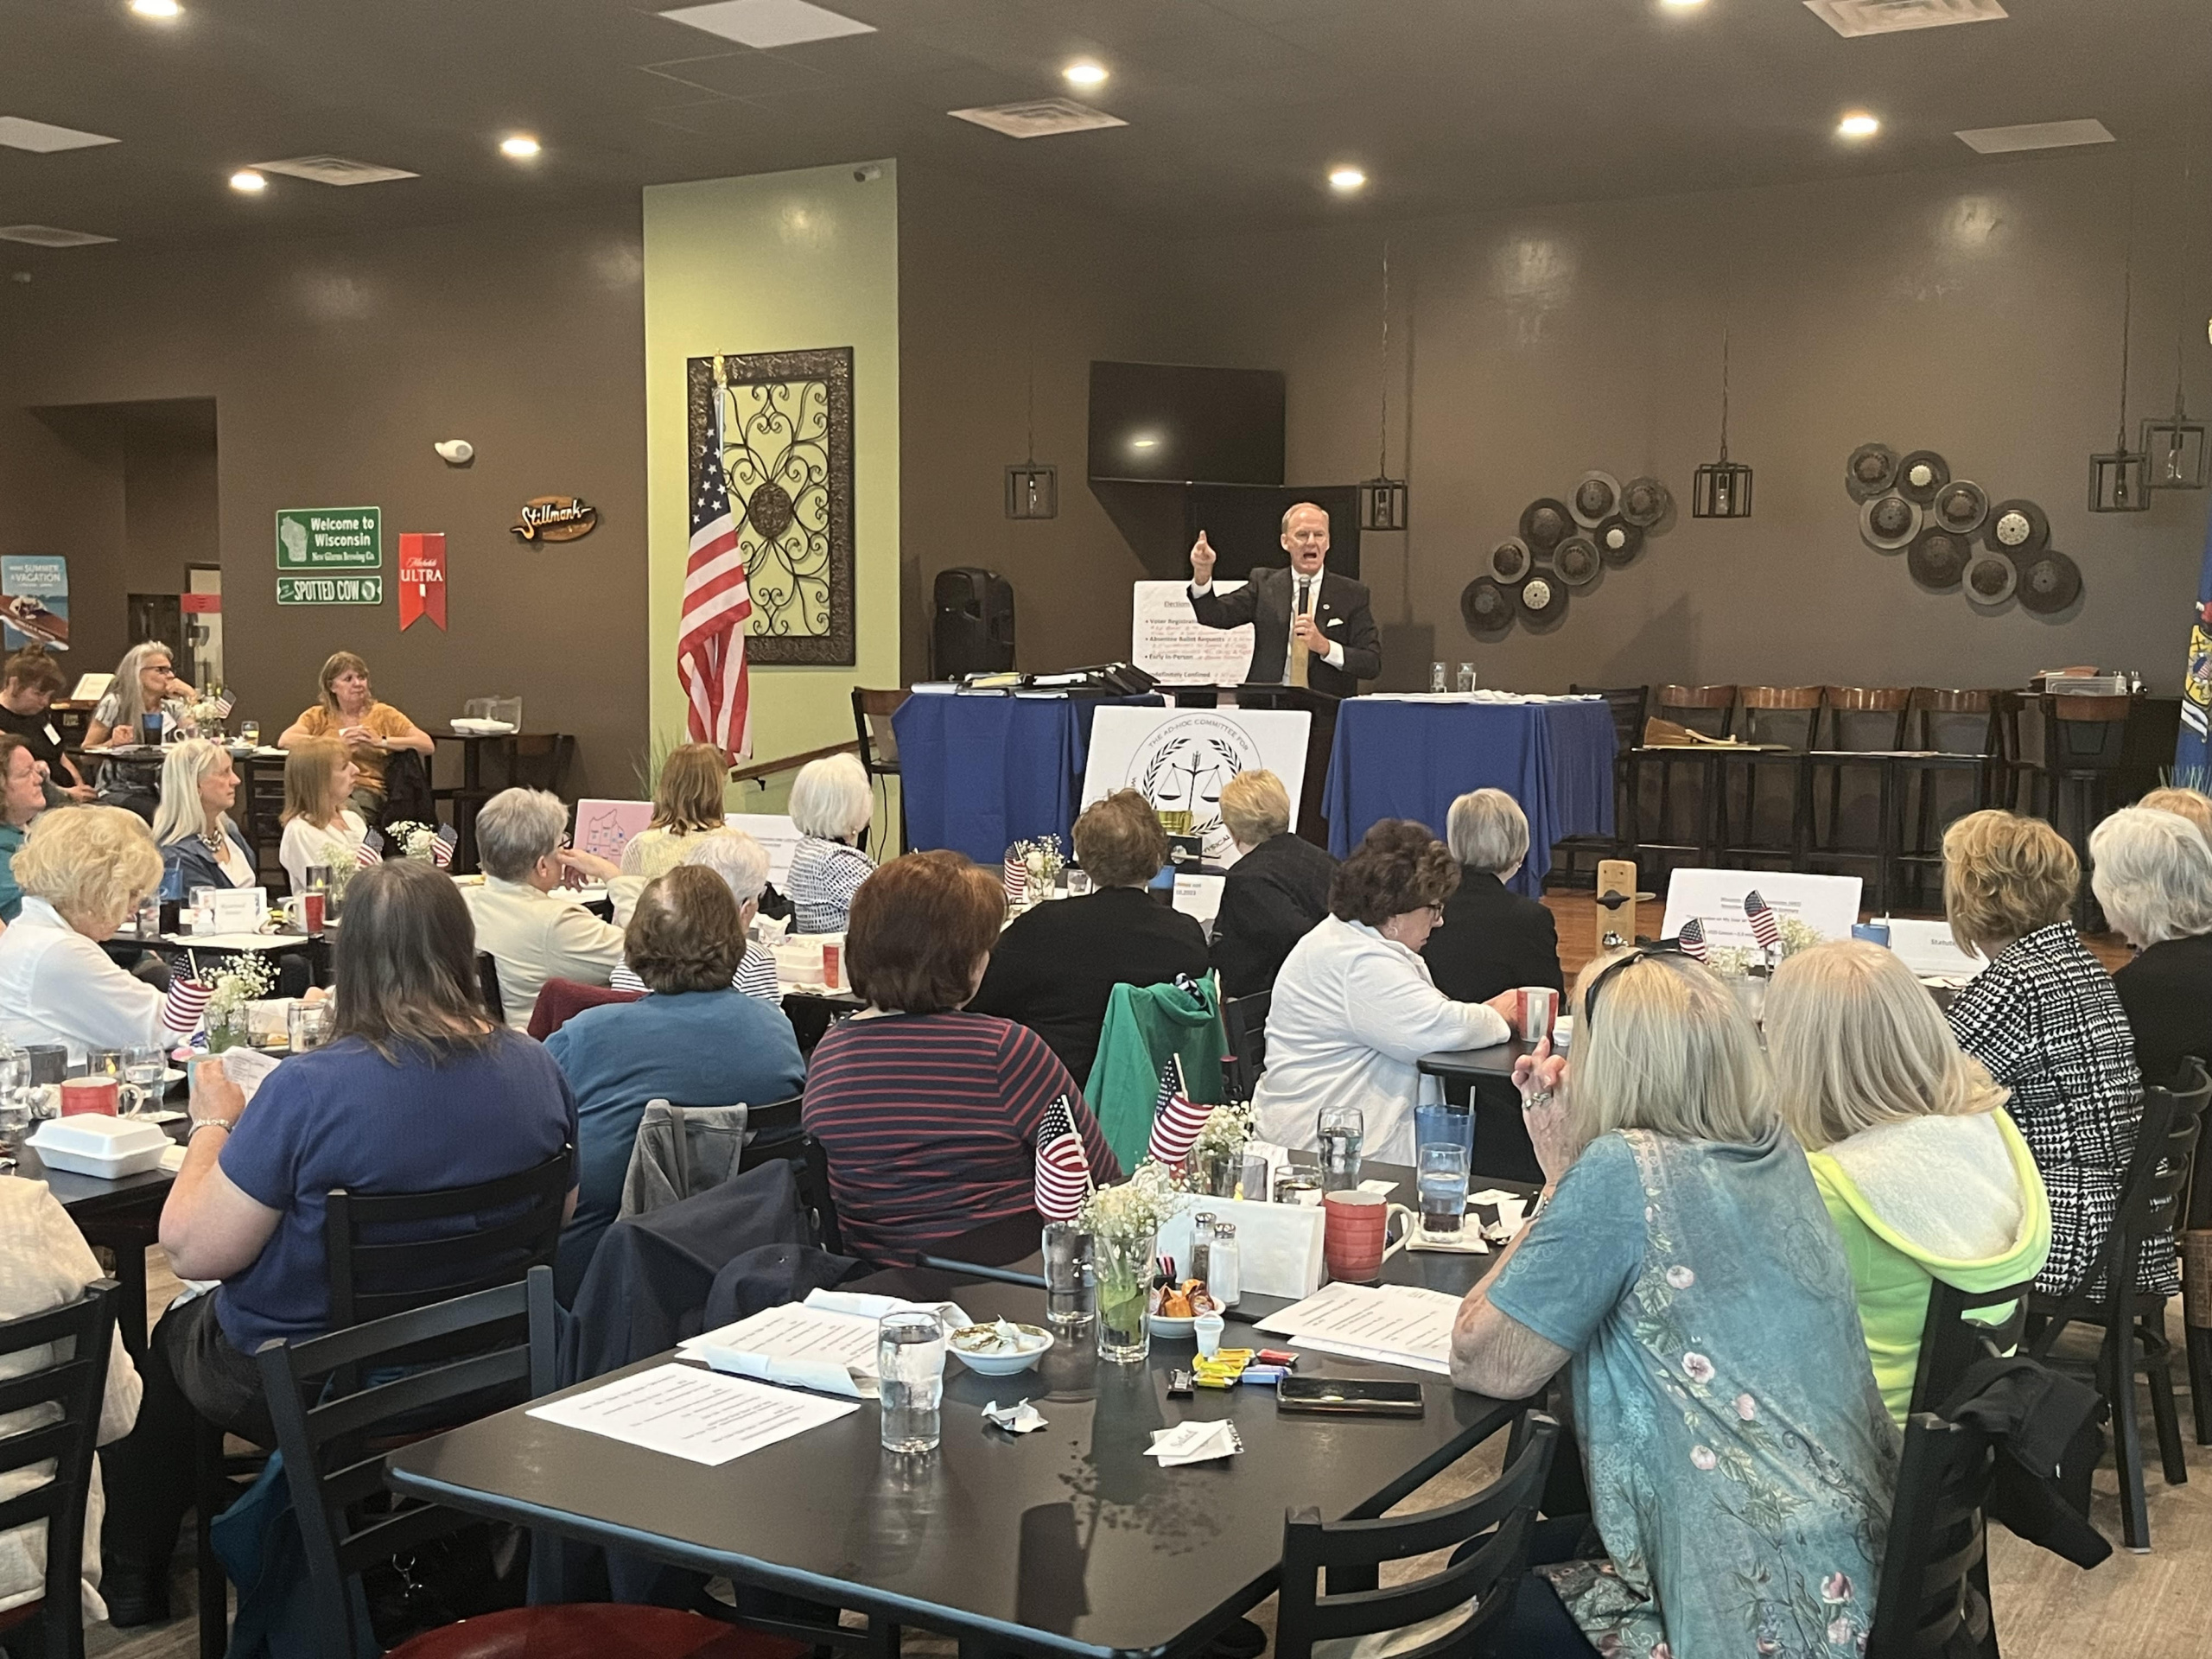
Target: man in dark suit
1310,627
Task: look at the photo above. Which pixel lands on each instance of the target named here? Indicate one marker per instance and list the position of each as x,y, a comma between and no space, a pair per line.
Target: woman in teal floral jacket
1684,1272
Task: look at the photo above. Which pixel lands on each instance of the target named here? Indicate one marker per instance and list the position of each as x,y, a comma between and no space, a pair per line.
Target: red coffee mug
80,1094
1355,1234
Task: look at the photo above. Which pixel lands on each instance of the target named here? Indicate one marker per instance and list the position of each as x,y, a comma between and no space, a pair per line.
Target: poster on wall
1179,758
787,459
35,602
329,538
421,577
1169,642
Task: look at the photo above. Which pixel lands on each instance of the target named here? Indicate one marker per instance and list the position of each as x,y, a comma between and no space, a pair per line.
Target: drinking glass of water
1339,1129
1071,1279
250,734
15,1096
910,1366
1443,1181
144,1065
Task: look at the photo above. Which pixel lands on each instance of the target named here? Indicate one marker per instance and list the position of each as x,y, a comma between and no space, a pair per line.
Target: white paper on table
796,1346
874,1307
1200,897
1195,1442
240,910
1928,949
1397,1325
702,1416
1826,904
1278,1245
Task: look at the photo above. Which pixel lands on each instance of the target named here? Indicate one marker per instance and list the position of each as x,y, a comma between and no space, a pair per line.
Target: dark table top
1067,1541
90,1196
1495,1061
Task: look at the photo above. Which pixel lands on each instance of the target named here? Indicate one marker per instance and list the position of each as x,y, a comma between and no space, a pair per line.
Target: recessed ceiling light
768,22
43,139
247,180
520,145
1085,73
1858,124
1346,179
166,10
1682,5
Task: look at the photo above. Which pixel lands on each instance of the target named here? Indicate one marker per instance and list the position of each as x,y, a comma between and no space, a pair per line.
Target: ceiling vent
49,236
1852,18
334,169
43,137
1038,118
2036,135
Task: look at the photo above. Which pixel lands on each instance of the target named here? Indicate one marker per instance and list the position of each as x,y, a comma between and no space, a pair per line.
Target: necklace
215,844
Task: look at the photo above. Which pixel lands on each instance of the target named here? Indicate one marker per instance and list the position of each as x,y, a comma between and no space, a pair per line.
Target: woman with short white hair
2152,870
532,934
1492,940
1681,1269
200,847
742,864
831,808
1924,1175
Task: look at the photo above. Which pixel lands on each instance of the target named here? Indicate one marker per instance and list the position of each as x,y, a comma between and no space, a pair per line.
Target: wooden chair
2134,1324
2020,779
809,1162
1785,714
1952,734
1858,721
1245,1021
1627,705
1442,1613
73,1386
262,821
2085,747
879,740
487,979
1708,708
1931,1597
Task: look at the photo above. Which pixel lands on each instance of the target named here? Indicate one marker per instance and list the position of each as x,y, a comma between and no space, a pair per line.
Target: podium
1320,738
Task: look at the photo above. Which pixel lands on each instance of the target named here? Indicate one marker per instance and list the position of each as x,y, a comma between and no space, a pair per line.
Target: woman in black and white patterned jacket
2045,1019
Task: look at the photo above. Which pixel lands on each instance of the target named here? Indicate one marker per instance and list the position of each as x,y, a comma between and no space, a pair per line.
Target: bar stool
2084,745
1952,732
1710,710
1784,714
2017,773
1865,729
1627,705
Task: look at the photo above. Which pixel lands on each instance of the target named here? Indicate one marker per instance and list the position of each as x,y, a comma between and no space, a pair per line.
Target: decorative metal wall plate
2016,527
1961,506
1645,501
1921,474
786,456
1596,498
1618,541
1937,558
1576,562
1485,607
1991,578
1545,523
1509,560
1888,522
1543,600
2050,582
1871,471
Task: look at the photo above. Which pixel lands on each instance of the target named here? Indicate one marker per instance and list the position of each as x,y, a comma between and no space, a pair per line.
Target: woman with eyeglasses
1355,1007
1683,1273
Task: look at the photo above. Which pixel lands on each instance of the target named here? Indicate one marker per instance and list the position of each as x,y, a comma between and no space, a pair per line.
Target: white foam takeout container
92,1143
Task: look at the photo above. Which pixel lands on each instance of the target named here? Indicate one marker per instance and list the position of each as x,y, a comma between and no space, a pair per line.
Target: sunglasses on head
1638,953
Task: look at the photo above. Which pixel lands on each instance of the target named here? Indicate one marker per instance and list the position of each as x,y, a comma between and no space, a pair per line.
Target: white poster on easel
1826,904
1169,642
1179,758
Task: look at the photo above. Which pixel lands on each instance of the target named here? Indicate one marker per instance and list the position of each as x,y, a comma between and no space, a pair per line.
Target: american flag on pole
1691,939
717,604
442,846
1176,1118
1063,1167
371,851
1764,928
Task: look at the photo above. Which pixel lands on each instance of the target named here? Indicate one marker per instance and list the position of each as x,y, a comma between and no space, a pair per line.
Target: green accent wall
777,261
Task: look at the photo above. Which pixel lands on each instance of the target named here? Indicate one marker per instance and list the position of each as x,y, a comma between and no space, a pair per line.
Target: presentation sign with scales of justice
1179,758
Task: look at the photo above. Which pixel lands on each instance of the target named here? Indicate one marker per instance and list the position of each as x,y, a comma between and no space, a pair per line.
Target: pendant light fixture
1383,497
1032,490
2179,456
2120,478
1722,488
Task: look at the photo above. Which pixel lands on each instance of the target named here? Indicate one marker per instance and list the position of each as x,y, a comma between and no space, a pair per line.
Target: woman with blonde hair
200,846
688,803
1274,894
321,830
1923,1174
1682,1271
2191,803
2044,1019
371,730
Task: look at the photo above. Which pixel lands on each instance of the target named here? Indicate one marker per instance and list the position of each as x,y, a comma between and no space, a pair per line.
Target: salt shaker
1227,1283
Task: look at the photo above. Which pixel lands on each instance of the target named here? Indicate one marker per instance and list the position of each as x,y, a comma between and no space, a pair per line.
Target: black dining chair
1245,1021
1931,1597
487,979
809,1162
1952,1340
73,1343
1329,1591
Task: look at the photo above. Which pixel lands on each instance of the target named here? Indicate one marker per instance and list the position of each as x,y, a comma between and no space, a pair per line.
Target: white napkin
1195,1442
819,1375
1020,1418
1512,1213
874,1307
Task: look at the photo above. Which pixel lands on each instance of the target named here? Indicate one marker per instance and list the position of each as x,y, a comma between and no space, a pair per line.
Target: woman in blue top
416,1092
697,1041
200,847
1683,1271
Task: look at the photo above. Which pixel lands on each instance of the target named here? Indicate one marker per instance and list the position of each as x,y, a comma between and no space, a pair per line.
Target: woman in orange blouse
371,730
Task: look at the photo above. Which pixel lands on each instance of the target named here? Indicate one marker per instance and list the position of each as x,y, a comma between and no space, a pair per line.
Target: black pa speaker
972,632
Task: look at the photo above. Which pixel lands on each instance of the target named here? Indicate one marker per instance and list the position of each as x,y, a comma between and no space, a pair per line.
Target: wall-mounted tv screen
1174,422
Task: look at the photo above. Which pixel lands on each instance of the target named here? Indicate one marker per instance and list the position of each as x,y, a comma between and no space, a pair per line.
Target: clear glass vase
1124,1263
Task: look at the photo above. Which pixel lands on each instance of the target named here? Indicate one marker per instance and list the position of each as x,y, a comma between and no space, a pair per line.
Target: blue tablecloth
1411,759
980,772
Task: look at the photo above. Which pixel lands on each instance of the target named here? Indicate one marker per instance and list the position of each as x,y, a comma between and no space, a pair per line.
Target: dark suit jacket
1265,600
1492,940
2167,992
1055,967
1271,898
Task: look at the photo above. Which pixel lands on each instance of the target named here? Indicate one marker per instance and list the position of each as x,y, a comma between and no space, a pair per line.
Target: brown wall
333,365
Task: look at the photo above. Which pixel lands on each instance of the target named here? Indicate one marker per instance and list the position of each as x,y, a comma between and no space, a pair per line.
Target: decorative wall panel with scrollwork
787,458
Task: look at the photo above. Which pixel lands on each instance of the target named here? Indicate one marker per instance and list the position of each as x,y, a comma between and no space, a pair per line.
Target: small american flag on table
1176,1118
371,851
1063,1167
1691,939
1764,928
442,846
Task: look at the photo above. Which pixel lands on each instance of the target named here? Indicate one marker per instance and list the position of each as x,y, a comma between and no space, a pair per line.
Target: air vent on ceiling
1038,118
2034,135
43,137
49,236
334,169
1852,18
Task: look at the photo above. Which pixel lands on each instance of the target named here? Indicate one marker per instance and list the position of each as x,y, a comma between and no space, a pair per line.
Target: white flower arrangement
1136,1209
413,840
1041,858
1226,1128
240,979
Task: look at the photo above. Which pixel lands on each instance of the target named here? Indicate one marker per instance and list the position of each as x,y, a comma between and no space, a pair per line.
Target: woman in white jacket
1354,1007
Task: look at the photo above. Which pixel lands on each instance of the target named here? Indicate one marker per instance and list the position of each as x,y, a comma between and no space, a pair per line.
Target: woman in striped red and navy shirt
929,1114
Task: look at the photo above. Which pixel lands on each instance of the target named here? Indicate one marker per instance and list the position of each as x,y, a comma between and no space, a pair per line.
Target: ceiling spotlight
247,180
166,10
1858,124
1682,5
520,145
1346,179
1083,73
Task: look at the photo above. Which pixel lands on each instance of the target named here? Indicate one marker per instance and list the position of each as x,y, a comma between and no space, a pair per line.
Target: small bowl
1036,1343
1162,1325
